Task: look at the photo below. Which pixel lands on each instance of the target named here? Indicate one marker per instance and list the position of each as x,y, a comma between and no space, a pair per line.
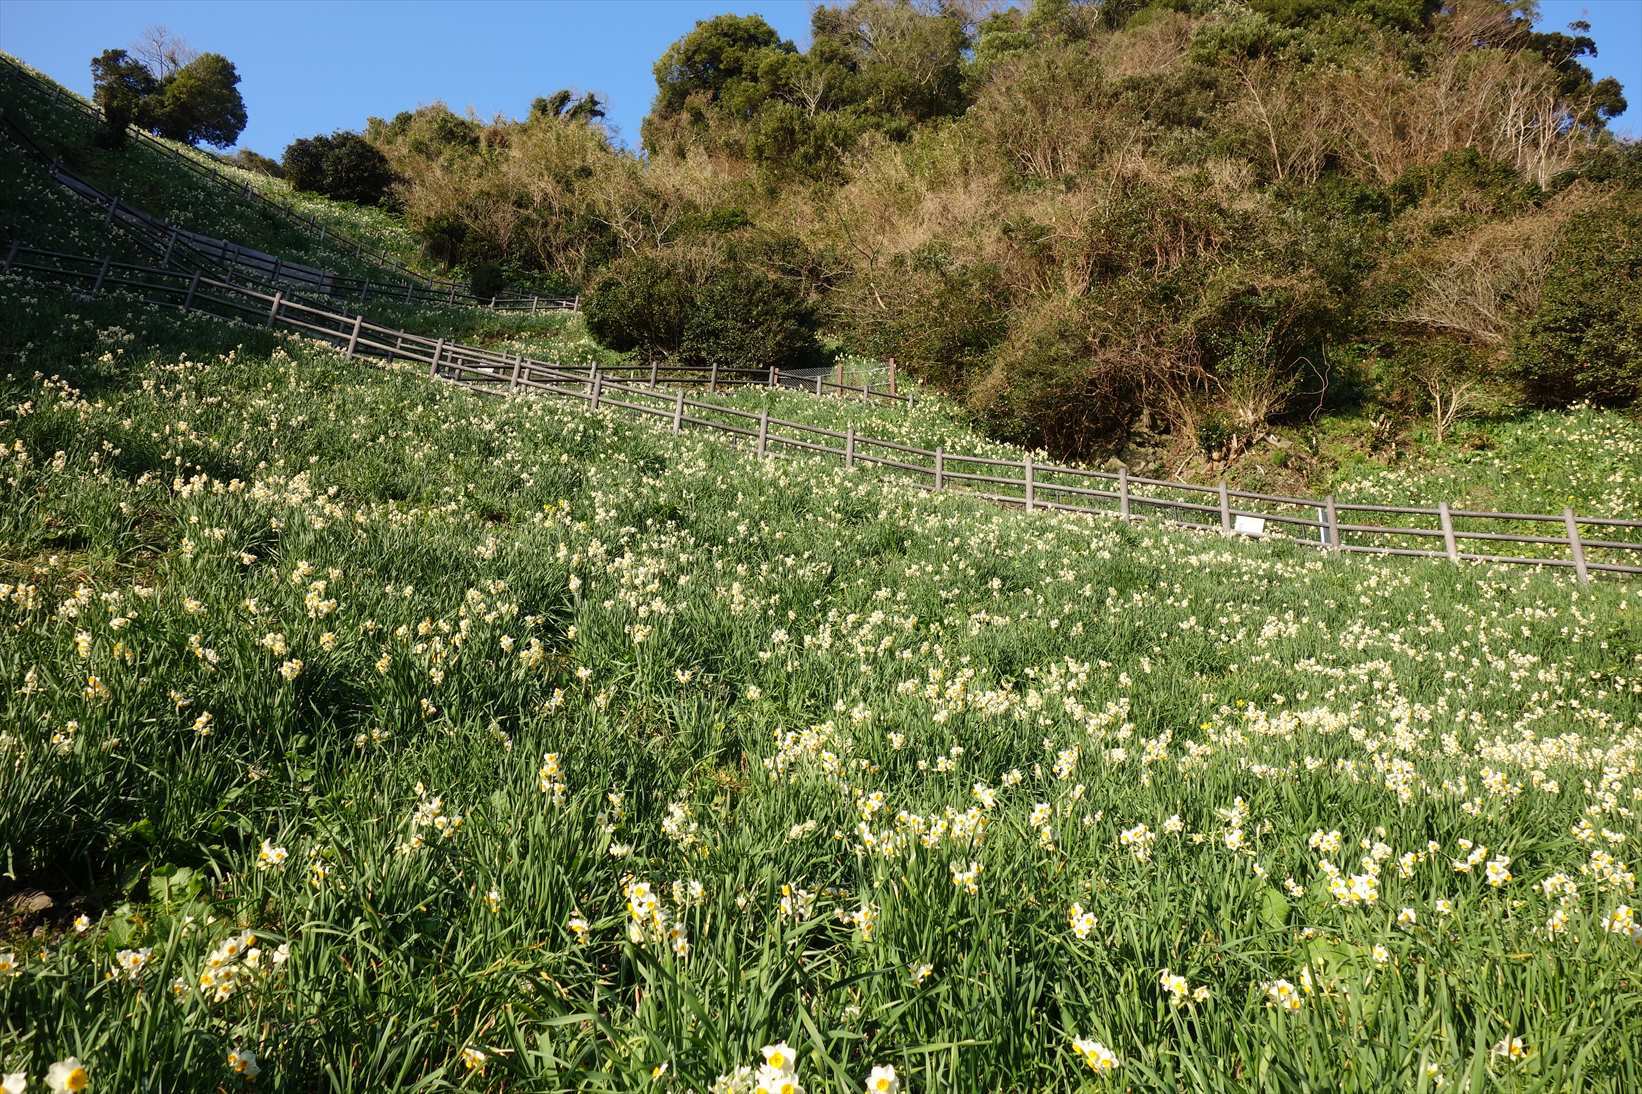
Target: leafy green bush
702,308
342,165
1585,338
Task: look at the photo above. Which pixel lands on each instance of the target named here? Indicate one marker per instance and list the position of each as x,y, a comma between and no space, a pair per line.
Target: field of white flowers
372,735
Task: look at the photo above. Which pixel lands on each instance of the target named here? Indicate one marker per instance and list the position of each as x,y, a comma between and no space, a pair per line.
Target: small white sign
1249,526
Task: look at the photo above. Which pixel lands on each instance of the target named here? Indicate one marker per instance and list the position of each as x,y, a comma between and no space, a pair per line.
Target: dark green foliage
487,280
702,308
121,85
199,103
873,66
342,165
255,161
1585,339
567,105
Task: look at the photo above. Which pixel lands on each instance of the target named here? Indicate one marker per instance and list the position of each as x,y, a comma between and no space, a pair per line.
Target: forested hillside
1178,222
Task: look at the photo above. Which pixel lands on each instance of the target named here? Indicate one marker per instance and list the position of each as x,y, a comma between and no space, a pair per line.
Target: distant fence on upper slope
1585,545
323,232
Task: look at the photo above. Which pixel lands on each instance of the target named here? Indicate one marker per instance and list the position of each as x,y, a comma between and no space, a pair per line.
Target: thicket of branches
1090,218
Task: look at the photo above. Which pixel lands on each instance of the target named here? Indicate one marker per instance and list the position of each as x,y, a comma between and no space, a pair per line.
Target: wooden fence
436,287
1586,545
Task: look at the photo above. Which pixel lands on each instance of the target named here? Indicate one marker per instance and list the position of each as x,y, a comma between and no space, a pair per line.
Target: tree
162,52
121,86
199,102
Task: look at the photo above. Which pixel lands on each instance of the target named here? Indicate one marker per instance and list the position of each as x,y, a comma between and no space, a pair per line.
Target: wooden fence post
712,380
102,272
818,383
849,447
1576,547
940,469
273,312
763,431
652,372
170,245
438,349
533,305
1448,532
678,411
838,375
113,204
1123,492
892,376
513,379
11,256
775,376
1331,520
279,265
353,335
1225,508
598,388
365,289
193,285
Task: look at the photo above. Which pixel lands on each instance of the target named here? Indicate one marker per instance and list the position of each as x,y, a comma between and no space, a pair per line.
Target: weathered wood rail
1583,544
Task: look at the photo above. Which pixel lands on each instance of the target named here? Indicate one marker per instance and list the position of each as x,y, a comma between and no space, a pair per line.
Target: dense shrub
702,308
342,165
1585,338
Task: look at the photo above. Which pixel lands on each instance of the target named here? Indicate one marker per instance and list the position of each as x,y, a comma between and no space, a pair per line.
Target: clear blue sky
309,67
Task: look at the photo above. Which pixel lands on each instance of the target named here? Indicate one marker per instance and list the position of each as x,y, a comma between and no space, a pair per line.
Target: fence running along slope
187,250
1324,523
19,76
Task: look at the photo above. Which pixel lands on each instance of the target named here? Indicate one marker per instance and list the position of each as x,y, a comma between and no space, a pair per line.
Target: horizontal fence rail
325,234
1586,545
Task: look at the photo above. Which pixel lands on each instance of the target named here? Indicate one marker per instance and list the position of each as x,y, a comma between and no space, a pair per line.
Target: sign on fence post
1448,532
353,336
1576,547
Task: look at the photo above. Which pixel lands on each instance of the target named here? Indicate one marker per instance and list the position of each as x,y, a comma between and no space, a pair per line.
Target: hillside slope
536,750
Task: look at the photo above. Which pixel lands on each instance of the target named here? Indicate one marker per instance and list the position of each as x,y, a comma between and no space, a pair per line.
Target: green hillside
574,754
364,732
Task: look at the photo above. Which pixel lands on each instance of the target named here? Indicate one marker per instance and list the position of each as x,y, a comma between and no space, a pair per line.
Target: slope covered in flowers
383,734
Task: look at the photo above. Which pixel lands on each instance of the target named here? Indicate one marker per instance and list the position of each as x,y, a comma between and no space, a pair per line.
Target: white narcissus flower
883,1080
14,1083
67,1076
242,1061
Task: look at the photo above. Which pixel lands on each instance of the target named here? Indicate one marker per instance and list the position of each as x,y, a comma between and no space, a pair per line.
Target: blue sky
308,67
